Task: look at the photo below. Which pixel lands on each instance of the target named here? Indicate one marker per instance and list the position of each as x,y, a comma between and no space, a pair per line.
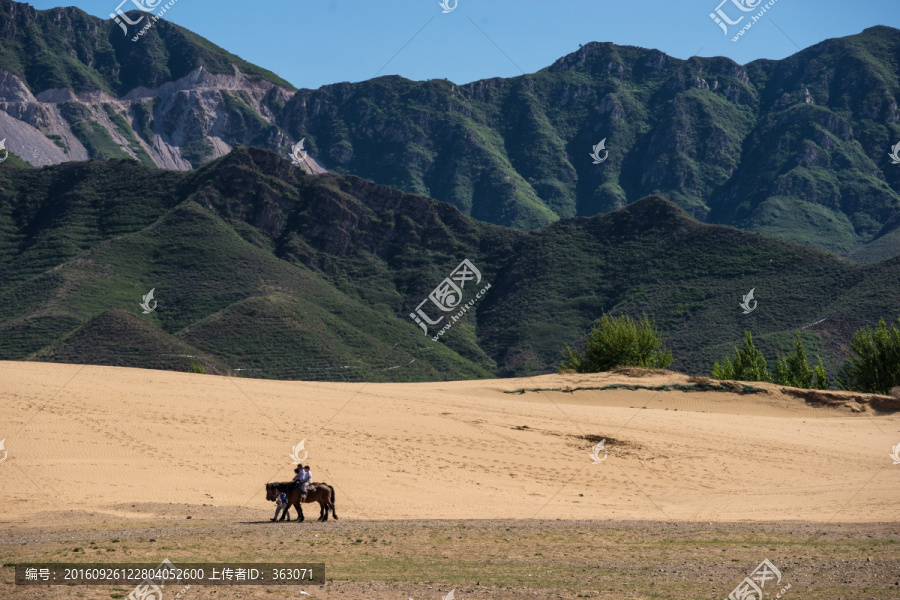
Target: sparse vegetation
57,139
435,552
125,130
143,119
197,151
96,139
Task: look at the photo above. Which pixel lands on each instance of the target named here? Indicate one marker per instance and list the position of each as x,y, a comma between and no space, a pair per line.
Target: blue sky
316,42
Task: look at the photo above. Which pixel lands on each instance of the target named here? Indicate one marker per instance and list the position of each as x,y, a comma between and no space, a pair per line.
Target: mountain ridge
794,148
260,267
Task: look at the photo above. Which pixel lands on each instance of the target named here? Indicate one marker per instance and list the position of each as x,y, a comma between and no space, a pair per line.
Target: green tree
619,342
874,362
794,370
749,364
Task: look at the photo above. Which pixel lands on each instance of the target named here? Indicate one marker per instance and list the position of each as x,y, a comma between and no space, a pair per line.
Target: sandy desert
493,488
107,438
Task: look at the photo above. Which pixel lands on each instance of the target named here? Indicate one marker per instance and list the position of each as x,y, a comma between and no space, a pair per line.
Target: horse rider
303,477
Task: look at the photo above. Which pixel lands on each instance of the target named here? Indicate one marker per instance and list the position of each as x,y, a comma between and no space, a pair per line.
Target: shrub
749,364
794,370
619,342
874,362
198,368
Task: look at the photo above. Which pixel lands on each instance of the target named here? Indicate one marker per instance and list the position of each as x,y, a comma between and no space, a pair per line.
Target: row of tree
792,369
872,366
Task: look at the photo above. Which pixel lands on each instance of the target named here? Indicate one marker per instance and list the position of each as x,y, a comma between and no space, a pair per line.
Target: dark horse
317,492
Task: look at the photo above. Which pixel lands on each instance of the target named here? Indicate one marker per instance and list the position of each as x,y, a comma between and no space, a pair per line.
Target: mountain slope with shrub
260,268
795,148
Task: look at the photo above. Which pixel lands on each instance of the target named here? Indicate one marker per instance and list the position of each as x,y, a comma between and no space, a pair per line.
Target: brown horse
317,492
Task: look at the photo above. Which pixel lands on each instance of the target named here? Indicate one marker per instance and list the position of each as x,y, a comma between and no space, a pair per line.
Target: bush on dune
874,362
794,370
619,342
748,364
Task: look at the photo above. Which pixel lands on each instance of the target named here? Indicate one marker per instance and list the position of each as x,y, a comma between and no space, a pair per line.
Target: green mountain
795,148
259,268
68,49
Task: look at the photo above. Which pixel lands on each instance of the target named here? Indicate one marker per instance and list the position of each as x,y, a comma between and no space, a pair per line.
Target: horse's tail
333,513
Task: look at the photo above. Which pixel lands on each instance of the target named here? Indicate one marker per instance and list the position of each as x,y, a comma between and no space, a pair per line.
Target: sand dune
106,438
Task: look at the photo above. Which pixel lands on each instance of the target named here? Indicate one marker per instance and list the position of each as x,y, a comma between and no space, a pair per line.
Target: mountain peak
607,58
652,212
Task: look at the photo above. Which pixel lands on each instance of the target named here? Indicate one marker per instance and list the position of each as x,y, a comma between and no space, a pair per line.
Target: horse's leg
323,510
298,505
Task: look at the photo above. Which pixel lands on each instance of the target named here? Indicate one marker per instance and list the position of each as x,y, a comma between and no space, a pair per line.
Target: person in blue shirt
281,503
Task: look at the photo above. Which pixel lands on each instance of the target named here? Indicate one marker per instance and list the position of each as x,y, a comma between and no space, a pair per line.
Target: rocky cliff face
180,125
73,87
